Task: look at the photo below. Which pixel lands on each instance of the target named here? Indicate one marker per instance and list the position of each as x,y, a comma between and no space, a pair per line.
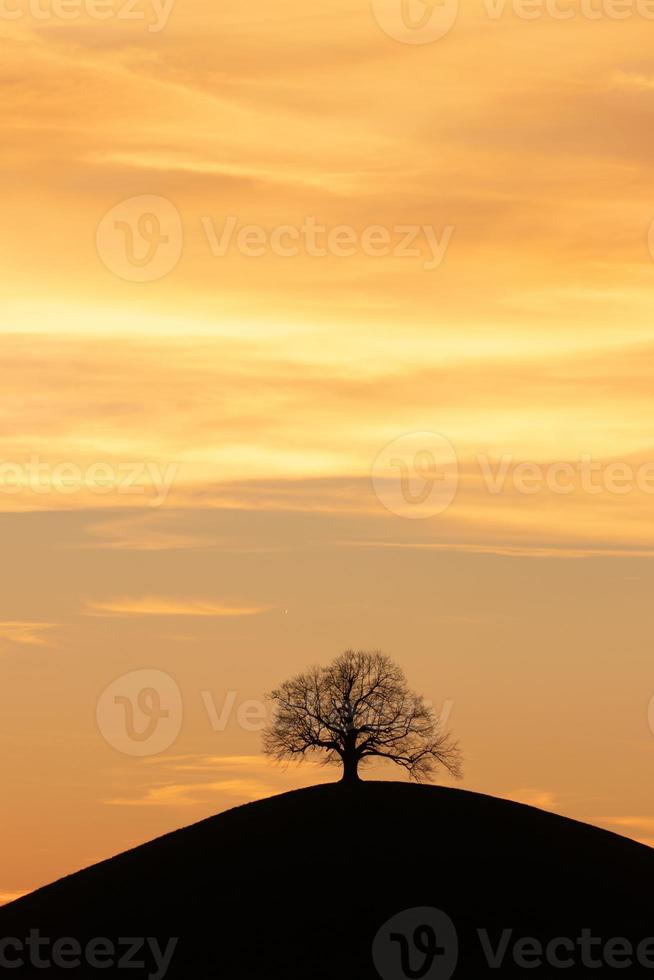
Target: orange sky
215,499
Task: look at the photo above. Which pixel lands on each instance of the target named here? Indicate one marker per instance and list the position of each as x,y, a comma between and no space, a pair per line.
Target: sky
324,326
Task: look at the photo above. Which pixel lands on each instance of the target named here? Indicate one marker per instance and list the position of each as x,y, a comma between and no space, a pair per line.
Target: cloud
195,794
243,778
167,606
637,823
220,763
542,799
633,80
143,531
28,634
639,829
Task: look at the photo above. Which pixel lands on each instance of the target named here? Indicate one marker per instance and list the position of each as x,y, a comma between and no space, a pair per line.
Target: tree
358,708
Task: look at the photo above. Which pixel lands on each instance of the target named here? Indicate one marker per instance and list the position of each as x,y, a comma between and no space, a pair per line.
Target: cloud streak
27,633
169,606
242,778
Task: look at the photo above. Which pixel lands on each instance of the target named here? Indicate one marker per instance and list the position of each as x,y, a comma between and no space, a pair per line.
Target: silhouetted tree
357,708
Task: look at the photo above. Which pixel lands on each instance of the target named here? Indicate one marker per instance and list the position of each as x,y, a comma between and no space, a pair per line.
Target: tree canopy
358,708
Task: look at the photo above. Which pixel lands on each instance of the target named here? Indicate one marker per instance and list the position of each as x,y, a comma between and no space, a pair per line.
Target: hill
298,886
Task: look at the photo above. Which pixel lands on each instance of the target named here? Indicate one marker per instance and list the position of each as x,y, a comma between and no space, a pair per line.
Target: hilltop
297,887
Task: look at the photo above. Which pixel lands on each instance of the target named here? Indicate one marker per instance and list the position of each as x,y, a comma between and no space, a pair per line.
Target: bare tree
357,708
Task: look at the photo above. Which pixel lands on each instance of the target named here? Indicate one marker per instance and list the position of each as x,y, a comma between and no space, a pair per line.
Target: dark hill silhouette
298,885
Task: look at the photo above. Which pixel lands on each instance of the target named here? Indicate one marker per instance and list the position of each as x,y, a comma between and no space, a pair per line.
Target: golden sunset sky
264,389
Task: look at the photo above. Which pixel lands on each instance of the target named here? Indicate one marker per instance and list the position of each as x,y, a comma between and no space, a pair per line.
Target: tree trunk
350,768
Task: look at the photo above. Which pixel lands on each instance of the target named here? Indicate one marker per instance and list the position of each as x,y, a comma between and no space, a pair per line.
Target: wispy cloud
27,634
633,80
541,798
219,763
195,794
635,823
640,829
167,606
241,778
